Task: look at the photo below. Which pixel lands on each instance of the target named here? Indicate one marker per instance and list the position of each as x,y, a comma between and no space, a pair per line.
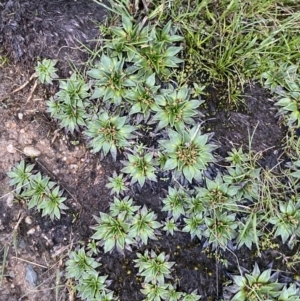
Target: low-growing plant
117,184
217,194
37,190
109,133
155,268
155,292
112,80
170,226
157,57
124,205
287,219
237,157
140,166
289,293
194,225
46,71
112,232
70,103
143,97
80,262
245,179
175,202
144,225
53,205
127,38
20,176
175,109
188,152
220,229
192,296
93,286
255,286
249,231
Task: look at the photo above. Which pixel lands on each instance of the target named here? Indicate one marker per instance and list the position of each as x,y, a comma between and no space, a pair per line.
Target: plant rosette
188,152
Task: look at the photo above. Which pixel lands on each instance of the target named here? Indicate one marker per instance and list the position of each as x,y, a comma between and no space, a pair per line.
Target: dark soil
51,29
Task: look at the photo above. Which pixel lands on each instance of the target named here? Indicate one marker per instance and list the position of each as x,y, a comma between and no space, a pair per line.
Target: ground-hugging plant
143,98
20,175
155,268
112,80
255,286
285,82
249,231
287,219
137,55
37,190
124,205
144,226
140,166
69,105
175,109
113,232
109,133
80,262
245,179
125,225
194,225
188,152
289,293
89,285
218,195
170,226
117,184
175,202
46,71
220,229
157,57
126,38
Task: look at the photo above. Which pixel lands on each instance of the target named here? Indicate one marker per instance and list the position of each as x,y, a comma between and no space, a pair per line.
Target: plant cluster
156,269
90,285
125,225
284,81
137,85
37,191
260,286
126,78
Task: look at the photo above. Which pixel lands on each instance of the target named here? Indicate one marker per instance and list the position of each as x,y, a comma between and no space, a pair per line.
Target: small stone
30,151
22,244
28,220
31,275
31,231
11,149
10,199
20,116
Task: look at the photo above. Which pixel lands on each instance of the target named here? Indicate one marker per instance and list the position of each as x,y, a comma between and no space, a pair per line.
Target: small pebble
20,116
11,149
28,220
31,151
31,275
10,199
31,231
22,244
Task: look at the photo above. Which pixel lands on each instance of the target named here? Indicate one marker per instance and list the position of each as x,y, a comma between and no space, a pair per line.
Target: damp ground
33,249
